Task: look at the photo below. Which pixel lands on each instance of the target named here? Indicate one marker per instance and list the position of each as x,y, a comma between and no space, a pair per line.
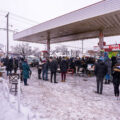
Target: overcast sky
41,11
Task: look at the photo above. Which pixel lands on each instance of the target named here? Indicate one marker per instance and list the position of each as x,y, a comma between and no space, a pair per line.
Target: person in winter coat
45,66
100,72
116,82
25,71
63,68
116,79
6,65
39,69
109,66
9,66
15,65
77,64
114,61
118,59
53,68
84,66
20,67
72,65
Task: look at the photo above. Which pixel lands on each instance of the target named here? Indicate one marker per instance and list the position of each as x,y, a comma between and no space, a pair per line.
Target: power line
25,18
18,21
18,16
23,22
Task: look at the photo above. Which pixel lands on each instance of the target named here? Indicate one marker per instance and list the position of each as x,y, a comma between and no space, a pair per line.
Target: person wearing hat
100,72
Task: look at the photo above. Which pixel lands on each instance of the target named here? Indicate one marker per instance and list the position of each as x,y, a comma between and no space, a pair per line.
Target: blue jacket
25,70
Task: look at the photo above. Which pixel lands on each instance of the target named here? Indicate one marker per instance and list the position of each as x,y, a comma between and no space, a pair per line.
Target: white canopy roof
81,24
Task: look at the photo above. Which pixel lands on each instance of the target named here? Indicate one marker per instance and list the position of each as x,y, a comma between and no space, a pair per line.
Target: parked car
33,61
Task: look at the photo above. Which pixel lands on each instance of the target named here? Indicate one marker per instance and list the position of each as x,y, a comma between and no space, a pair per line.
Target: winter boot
108,81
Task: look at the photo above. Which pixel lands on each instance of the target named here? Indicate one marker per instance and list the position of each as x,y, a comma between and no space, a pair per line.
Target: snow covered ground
73,100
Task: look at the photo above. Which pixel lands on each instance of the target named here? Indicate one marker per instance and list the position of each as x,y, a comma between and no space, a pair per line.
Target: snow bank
8,110
9,105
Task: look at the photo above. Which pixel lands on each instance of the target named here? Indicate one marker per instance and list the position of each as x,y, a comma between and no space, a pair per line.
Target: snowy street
73,100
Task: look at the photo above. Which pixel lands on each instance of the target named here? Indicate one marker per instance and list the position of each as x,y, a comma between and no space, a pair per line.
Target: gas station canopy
81,24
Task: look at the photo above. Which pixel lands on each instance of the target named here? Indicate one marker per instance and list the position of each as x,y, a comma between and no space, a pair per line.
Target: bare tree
62,49
36,52
23,49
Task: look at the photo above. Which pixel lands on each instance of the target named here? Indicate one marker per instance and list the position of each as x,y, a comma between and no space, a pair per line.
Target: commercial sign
115,47
108,48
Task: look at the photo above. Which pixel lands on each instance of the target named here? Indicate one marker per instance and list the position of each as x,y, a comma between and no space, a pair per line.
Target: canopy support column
48,44
101,40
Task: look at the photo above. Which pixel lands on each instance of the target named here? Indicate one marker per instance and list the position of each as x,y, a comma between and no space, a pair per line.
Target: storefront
113,50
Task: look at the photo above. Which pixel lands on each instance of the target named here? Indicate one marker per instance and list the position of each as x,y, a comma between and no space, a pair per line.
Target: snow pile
8,110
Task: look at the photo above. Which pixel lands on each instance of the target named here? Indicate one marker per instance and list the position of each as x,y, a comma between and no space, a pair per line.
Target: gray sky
41,11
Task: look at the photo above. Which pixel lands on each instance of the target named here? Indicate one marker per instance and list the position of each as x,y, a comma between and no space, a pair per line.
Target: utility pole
7,16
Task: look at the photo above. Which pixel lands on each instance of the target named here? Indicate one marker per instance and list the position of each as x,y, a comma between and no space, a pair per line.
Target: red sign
114,47
108,48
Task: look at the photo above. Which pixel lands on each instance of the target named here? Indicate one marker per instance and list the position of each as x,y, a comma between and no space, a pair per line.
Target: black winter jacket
101,69
63,66
53,66
116,78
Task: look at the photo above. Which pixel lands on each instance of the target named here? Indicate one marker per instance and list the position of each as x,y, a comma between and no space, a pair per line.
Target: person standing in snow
9,65
45,66
39,69
63,69
15,65
116,79
100,72
53,69
109,66
114,61
25,71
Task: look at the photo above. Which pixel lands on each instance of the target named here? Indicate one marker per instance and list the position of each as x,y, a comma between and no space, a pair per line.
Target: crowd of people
62,64
103,69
